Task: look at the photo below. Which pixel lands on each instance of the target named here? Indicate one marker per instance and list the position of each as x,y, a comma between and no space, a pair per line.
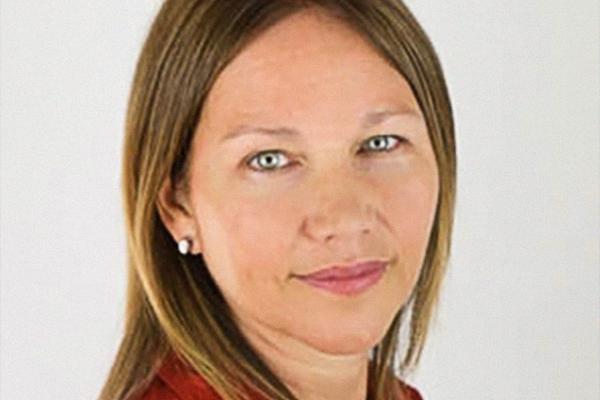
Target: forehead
307,67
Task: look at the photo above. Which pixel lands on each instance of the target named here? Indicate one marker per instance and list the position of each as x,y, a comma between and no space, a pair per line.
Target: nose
342,213
346,231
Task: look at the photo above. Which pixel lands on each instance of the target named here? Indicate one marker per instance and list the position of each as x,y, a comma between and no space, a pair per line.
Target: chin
343,341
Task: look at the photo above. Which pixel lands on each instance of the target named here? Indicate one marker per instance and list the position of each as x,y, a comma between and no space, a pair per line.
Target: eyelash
400,140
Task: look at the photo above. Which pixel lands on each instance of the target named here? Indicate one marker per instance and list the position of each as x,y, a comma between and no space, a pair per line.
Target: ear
176,214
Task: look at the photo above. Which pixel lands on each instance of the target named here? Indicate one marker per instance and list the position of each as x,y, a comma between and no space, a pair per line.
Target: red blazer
175,381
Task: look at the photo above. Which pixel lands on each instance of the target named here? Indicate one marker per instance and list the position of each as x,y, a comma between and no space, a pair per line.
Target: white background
519,315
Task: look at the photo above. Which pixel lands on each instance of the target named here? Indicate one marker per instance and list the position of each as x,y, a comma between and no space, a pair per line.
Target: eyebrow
370,119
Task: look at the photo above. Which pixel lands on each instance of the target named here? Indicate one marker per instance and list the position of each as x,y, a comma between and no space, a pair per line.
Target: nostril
346,235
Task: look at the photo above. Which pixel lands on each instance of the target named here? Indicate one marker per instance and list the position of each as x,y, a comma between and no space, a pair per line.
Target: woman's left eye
381,143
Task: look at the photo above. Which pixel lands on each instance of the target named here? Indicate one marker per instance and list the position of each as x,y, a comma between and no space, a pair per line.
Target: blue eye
381,143
267,161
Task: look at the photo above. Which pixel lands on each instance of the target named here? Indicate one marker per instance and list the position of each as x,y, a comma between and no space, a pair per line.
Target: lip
348,280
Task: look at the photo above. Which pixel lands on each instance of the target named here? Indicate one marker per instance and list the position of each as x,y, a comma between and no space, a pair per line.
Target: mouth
347,279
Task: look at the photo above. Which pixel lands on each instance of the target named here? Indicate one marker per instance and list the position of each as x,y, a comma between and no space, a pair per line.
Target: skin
324,203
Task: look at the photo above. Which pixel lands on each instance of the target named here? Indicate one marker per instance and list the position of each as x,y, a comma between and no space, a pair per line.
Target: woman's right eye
267,161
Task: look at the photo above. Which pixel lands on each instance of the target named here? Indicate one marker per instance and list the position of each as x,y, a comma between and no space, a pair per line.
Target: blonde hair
173,304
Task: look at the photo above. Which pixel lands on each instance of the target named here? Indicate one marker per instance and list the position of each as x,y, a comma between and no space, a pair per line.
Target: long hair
172,302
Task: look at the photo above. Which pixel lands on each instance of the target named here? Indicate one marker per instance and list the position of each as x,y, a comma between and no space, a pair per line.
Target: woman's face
315,198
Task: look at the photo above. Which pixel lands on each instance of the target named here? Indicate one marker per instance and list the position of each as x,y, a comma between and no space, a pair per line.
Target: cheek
414,210
410,210
251,235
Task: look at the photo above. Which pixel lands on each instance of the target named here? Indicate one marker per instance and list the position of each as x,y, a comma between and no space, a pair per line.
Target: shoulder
408,392
158,390
175,381
413,393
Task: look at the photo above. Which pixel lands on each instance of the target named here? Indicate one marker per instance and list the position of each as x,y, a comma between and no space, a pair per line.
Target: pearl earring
184,246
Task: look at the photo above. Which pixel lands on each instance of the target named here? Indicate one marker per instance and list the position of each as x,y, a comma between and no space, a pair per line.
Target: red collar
183,381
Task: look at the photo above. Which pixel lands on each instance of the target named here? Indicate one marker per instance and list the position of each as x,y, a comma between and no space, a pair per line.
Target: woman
289,181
